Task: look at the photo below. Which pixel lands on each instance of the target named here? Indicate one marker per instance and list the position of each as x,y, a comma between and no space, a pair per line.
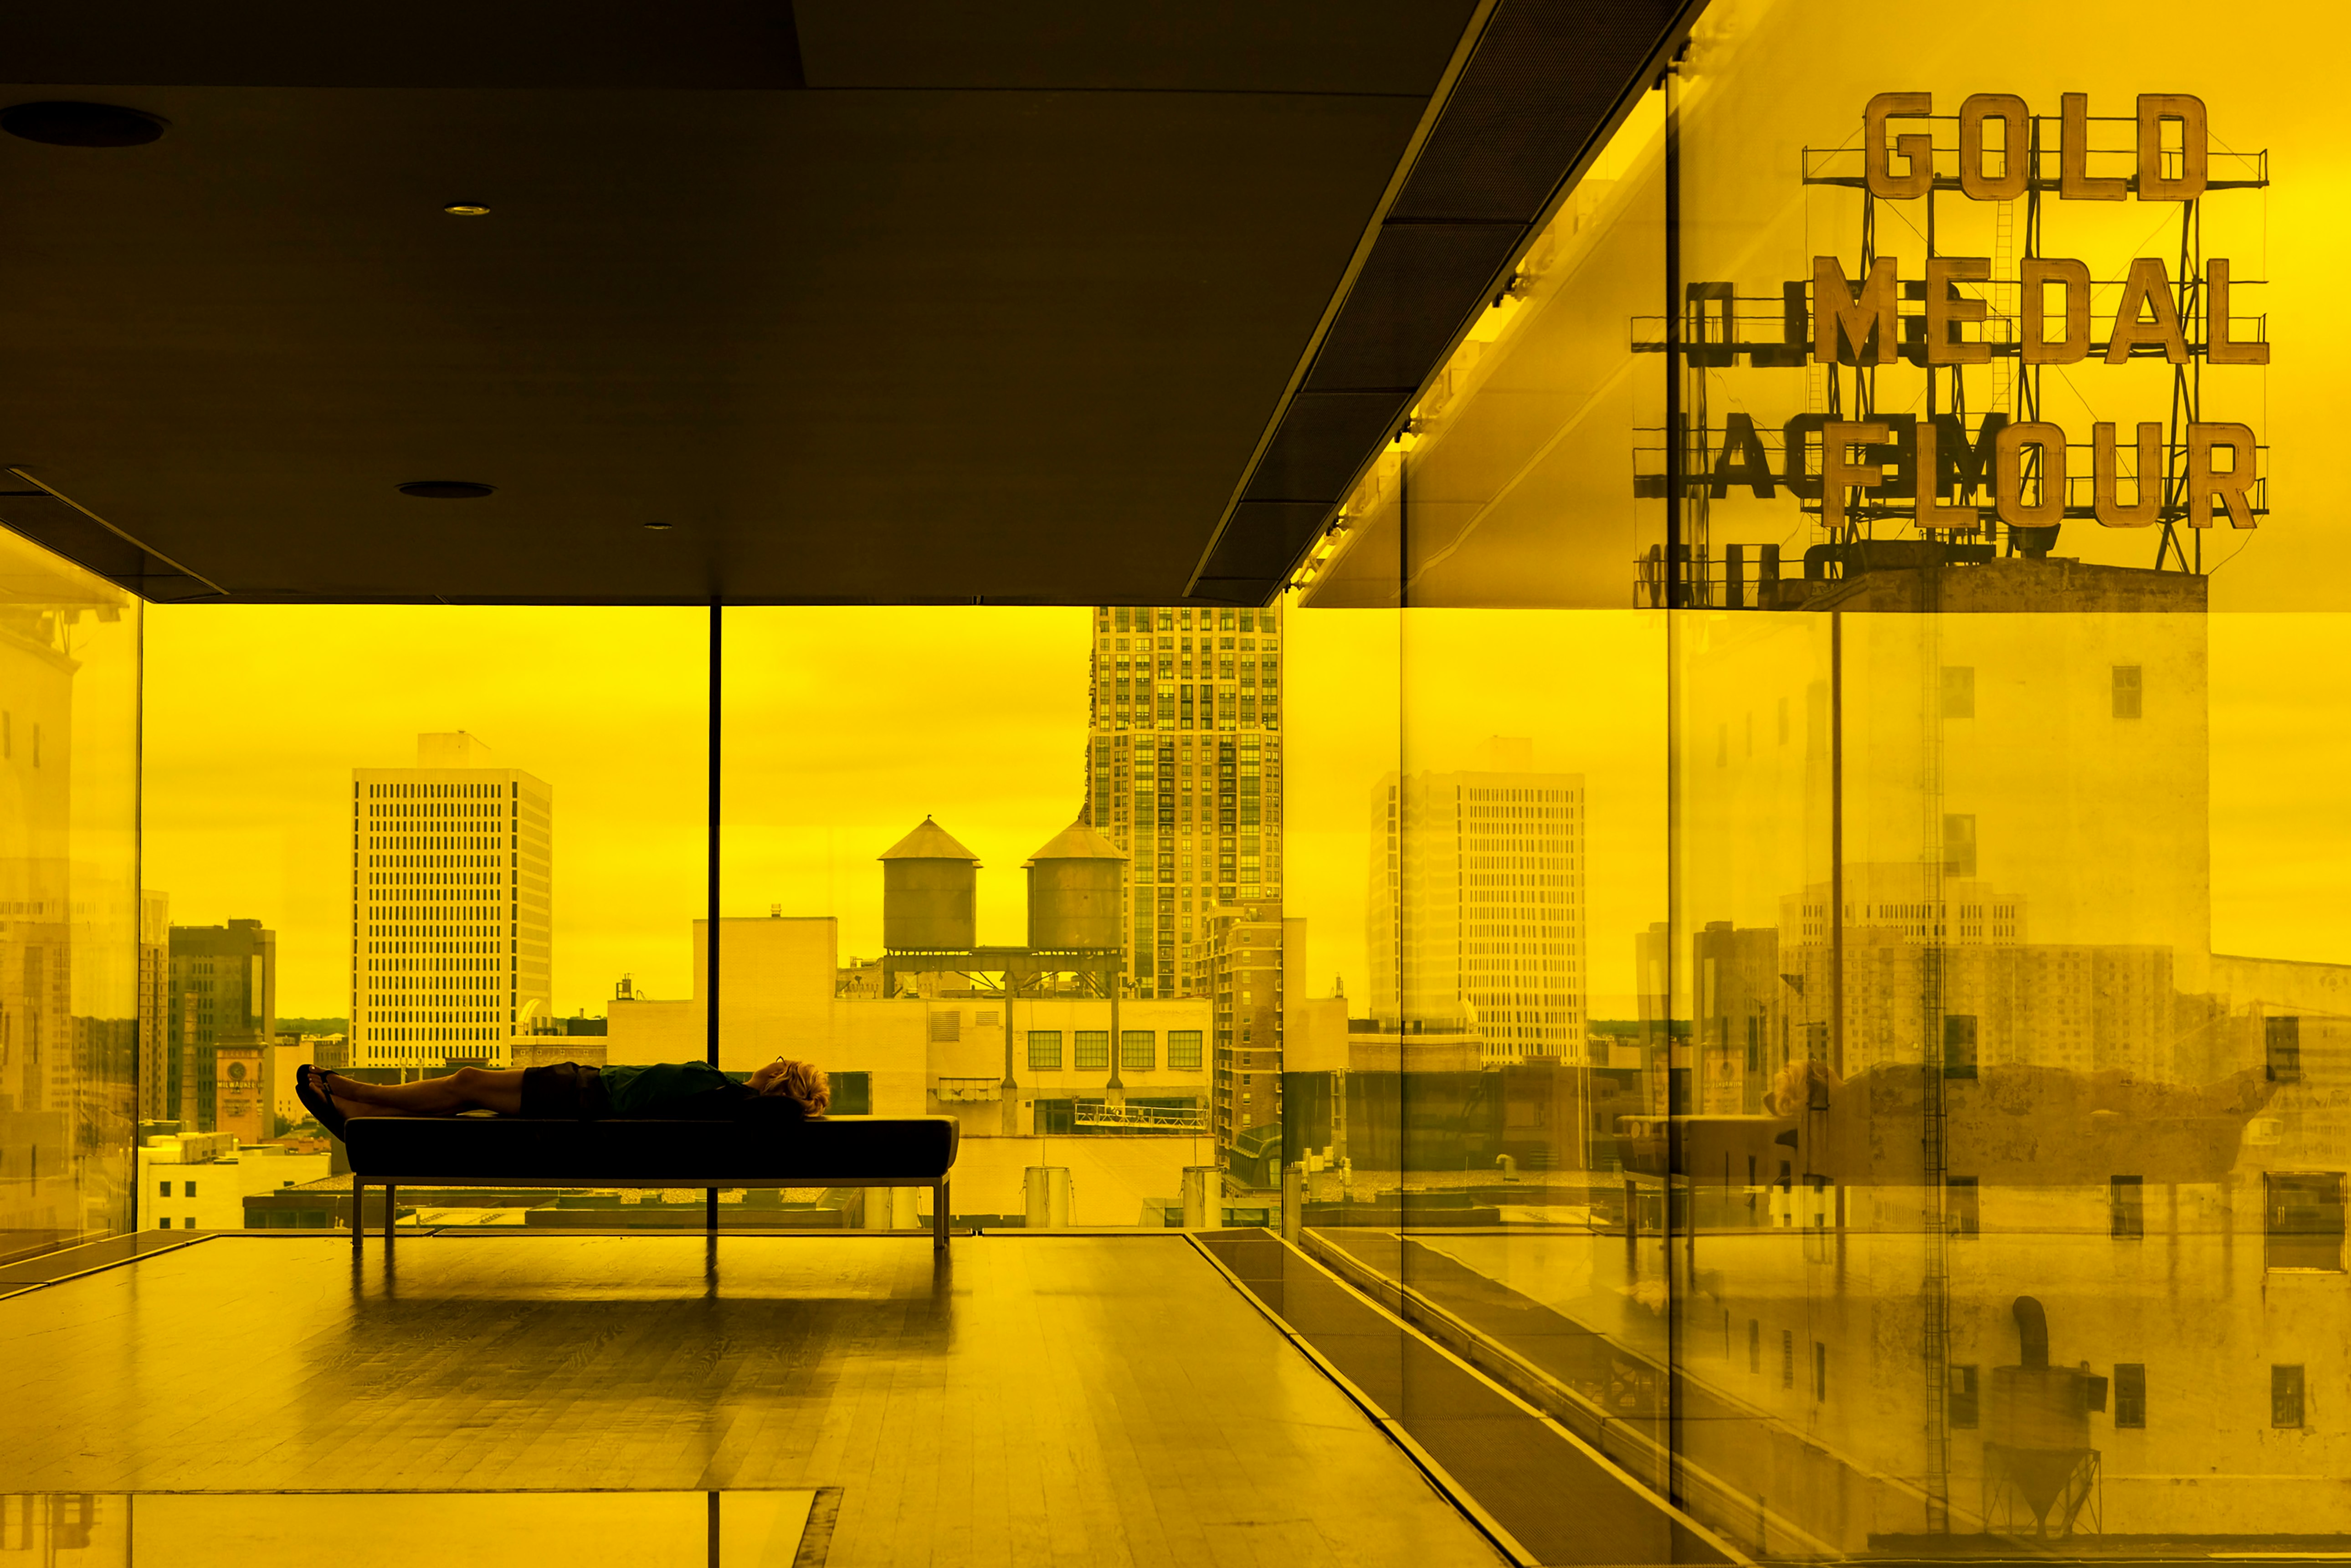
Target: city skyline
244,812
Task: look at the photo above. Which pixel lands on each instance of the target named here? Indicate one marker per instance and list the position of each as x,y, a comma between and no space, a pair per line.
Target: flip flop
314,1099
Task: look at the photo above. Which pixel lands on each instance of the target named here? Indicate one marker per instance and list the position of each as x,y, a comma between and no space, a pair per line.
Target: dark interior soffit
1545,85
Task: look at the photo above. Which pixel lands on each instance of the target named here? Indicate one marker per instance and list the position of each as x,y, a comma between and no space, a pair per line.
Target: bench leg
358,1212
391,1207
939,1217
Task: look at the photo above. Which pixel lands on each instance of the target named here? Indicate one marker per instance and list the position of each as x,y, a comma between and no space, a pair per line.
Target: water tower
1077,886
929,893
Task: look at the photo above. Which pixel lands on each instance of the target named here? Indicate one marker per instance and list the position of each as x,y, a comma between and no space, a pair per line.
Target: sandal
311,1090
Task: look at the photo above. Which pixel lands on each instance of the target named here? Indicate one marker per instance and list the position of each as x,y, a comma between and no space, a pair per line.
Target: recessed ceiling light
63,123
466,210
446,489
657,525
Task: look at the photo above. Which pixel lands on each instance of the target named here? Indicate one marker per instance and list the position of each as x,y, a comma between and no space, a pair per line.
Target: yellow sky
846,725
256,714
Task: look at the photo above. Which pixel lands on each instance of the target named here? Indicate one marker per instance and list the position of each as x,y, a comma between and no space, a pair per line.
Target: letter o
2016,158
2008,476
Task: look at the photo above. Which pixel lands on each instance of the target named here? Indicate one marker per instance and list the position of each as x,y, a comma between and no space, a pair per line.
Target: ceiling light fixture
63,123
658,525
466,210
446,489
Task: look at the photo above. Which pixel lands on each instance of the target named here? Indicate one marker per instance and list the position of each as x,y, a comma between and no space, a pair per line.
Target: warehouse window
2305,1215
2130,1394
2285,1397
2128,691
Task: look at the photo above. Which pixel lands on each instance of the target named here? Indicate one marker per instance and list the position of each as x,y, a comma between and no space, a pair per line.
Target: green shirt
642,1091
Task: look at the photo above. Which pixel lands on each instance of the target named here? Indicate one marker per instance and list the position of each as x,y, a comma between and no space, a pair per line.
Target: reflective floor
1030,1400
398,1529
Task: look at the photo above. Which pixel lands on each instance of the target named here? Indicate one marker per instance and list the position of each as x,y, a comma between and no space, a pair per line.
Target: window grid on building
1184,772
451,914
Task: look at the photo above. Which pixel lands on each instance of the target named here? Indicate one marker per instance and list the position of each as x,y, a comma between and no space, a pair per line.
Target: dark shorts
564,1091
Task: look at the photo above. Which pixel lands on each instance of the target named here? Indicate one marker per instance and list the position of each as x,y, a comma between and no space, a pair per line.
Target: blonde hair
1801,1085
801,1083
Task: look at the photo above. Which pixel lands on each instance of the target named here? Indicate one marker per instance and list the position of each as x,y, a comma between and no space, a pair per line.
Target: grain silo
1076,892
929,888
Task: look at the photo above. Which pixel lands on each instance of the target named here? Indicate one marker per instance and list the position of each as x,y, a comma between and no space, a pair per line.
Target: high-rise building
1245,950
223,992
1183,752
452,901
1738,1017
155,1076
1476,911
1921,944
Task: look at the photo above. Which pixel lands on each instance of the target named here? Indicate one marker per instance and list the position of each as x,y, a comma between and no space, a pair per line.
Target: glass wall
397,839
1850,949
986,863
70,950
1489,1100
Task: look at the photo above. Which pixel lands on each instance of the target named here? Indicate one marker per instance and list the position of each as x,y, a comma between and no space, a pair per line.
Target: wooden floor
1031,1400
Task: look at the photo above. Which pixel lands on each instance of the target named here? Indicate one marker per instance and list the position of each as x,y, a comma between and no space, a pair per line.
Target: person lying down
566,1090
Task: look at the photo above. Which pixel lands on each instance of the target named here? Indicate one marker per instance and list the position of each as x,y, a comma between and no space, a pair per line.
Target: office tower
155,1077
1184,750
1738,1020
223,992
37,703
1477,906
1245,950
1653,957
2004,1000
452,868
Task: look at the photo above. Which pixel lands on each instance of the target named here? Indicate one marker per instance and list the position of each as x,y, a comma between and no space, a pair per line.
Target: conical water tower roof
1078,842
928,841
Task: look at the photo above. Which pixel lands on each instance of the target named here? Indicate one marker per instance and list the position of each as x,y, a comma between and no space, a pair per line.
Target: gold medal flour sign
2196,471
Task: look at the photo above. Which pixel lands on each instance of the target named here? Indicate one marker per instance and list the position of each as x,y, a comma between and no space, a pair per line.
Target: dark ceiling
869,300
1546,85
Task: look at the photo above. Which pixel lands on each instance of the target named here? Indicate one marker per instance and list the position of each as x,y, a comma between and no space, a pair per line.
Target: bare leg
349,1108
468,1089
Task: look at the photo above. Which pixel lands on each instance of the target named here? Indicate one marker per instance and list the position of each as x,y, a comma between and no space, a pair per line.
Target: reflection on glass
70,915
1952,1162
396,1530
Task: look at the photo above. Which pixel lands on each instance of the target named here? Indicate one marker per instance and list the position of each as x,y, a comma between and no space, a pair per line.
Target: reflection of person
1801,1085
566,1090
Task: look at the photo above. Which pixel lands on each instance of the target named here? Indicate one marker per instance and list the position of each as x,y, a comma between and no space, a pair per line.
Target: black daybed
393,1152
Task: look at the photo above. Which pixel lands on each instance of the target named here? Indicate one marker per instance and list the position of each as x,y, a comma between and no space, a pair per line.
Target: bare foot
349,1108
347,1091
